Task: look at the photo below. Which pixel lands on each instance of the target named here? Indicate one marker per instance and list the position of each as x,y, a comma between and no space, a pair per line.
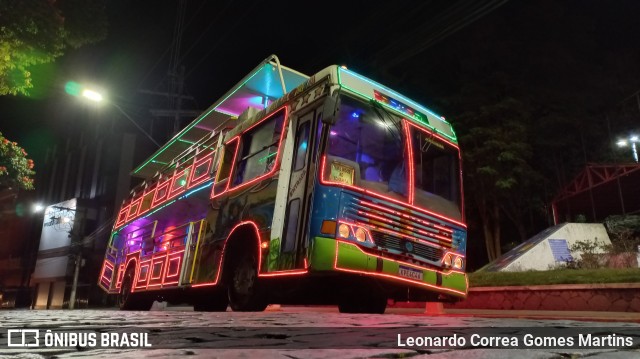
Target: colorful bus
290,189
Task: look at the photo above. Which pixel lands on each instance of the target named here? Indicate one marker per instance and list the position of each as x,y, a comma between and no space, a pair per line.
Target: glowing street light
92,95
75,89
632,140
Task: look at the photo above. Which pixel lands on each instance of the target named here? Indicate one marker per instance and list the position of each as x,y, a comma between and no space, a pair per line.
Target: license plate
410,273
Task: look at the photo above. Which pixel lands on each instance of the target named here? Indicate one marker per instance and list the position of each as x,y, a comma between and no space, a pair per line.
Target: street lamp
631,140
75,89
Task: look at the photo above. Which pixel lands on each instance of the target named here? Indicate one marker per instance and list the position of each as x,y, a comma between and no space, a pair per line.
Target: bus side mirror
330,109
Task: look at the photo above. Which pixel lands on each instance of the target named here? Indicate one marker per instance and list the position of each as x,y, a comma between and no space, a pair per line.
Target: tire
244,291
128,300
211,301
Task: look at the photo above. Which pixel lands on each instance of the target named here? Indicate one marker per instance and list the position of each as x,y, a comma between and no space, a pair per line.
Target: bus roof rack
266,83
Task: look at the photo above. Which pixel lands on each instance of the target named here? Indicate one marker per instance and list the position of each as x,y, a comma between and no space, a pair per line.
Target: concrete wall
540,256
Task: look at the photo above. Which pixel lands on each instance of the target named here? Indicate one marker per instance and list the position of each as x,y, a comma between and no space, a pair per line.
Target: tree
15,168
35,32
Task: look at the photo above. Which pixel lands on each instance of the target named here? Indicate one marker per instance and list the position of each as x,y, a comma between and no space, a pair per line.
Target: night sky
577,51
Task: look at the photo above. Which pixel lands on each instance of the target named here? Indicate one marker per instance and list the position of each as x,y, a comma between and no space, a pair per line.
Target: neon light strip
390,276
176,176
146,273
260,274
196,122
120,276
179,259
192,182
395,233
362,190
413,229
411,218
276,164
405,99
233,161
409,143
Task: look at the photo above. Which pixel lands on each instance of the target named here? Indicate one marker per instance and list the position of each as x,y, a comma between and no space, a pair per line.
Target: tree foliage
15,168
35,32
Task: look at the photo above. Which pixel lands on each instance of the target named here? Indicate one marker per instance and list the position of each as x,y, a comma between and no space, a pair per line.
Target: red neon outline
158,200
260,274
146,274
276,164
133,257
120,276
409,142
176,175
102,271
122,216
153,264
396,233
393,276
446,141
192,182
411,228
375,194
179,259
135,204
144,194
407,216
233,161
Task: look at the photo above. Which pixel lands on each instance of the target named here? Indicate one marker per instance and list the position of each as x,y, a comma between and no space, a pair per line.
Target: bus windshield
367,149
367,144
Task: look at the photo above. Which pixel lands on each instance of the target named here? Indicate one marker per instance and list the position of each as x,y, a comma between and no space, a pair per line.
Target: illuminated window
259,150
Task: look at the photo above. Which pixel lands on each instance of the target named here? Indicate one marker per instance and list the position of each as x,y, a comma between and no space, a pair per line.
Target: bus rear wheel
244,291
127,300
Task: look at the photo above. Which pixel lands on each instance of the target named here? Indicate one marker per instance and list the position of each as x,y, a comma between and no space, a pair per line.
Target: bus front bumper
329,254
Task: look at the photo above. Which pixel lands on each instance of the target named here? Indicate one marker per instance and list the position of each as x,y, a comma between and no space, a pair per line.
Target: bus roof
265,83
270,81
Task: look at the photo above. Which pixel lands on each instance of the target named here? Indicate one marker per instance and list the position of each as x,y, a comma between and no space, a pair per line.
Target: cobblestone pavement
292,332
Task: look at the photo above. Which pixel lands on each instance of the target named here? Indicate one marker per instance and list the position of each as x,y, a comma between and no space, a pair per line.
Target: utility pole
74,285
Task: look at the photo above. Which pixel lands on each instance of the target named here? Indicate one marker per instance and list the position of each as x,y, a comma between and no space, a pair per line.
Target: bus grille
403,229
390,242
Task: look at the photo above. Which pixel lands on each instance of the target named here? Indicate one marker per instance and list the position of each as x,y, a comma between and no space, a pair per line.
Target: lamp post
76,89
630,141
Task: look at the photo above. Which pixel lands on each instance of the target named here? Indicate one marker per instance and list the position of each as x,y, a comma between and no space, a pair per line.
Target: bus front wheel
245,294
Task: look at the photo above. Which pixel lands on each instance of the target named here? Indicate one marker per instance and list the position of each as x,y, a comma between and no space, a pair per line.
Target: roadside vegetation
555,276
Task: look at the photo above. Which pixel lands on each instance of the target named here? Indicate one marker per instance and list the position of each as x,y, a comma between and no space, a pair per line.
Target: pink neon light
144,210
409,144
120,276
146,273
260,274
277,160
106,264
176,176
203,177
432,235
371,193
414,239
434,134
235,154
177,258
390,276
159,199
411,218
153,267
122,216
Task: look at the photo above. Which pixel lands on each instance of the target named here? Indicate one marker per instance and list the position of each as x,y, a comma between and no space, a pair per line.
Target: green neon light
160,162
418,120
194,123
264,159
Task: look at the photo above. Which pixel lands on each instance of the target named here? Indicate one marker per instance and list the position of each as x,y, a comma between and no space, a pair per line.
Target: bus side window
259,150
224,170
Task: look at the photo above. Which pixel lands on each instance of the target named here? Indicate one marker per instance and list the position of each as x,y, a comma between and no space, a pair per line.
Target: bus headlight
447,260
457,263
343,231
361,235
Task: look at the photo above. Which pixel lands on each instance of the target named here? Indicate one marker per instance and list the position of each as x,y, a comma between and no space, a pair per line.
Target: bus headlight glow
361,235
457,263
343,231
447,260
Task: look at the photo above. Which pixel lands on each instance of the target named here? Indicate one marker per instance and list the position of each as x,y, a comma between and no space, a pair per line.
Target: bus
293,189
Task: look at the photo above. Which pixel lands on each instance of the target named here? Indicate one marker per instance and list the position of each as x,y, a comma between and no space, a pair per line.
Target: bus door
300,168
